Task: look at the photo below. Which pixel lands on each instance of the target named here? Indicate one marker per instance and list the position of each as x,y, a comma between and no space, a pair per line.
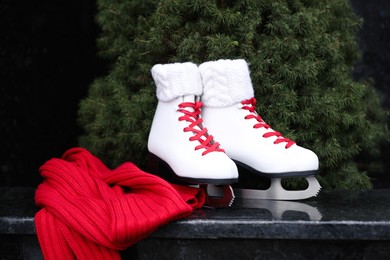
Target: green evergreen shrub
301,56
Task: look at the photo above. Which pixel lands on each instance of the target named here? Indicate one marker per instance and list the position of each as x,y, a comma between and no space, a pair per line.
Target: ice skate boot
229,113
177,136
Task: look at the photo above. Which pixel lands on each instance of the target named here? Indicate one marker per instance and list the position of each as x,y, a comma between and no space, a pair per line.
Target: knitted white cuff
176,79
225,82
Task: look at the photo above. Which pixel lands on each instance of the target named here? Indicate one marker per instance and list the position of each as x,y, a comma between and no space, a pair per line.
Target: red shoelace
250,105
200,134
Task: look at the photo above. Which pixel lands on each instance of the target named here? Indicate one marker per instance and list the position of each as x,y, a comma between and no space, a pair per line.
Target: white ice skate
178,138
230,114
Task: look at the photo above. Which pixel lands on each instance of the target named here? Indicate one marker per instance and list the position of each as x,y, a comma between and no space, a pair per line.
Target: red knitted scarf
91,212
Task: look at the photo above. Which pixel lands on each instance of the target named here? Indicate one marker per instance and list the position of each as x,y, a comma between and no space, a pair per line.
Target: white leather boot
177,135
229,112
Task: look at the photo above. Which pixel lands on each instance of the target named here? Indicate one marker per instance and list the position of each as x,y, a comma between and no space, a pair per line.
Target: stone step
335,225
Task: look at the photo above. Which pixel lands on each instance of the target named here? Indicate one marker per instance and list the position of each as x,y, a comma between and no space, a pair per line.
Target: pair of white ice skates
217,98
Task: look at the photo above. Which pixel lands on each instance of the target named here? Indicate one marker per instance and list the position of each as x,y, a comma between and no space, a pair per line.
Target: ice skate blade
218,196
277,192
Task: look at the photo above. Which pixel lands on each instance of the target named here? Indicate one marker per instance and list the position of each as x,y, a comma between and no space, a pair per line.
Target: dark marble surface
250,249
337,215
333,215
335,225
17,210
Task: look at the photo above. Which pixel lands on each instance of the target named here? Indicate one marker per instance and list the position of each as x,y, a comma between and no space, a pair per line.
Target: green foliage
301,56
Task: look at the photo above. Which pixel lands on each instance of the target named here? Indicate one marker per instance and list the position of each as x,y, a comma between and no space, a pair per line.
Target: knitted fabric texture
176,79
90,212
225,82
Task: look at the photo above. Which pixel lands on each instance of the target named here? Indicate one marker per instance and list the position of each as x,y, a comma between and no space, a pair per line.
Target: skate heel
217,196
159,167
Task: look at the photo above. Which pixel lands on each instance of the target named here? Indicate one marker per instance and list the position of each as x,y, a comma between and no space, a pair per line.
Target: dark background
48,59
